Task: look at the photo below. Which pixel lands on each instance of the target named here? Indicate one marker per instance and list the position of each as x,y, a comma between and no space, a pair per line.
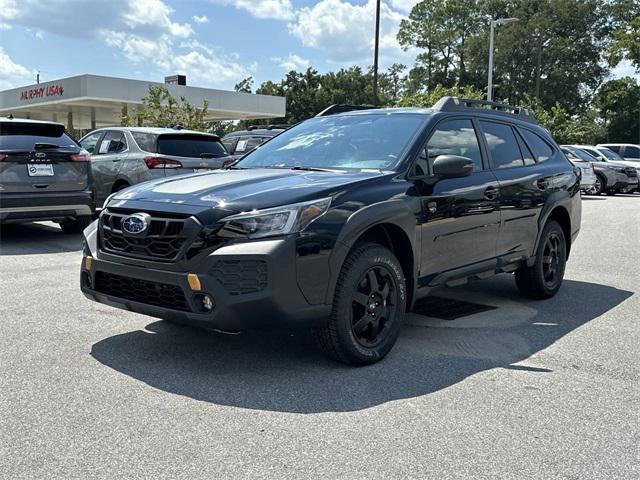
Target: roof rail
454,104
276,126
341,108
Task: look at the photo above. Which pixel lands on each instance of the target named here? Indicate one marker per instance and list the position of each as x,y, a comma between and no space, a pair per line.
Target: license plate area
40,170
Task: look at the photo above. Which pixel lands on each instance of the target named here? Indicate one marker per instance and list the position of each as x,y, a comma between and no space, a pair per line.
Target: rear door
106,160
40,157
189,152
525,183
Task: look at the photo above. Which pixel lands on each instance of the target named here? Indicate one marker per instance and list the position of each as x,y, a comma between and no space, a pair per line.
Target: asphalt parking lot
528,390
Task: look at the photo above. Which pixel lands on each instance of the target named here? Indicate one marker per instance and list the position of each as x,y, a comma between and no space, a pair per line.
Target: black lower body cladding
253,286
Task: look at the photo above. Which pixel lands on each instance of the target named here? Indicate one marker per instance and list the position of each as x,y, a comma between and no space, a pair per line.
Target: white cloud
345,31
292,62
200,19
404,6
274,9
155,15
625,69
13,74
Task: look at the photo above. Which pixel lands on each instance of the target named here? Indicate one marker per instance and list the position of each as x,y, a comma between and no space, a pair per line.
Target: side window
631,152
113,142
524,150
541,149
503,145
452,137
229,143
146,141
89,142
615,148
246,144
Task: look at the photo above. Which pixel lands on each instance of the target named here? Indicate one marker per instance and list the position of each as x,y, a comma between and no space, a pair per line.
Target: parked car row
610,173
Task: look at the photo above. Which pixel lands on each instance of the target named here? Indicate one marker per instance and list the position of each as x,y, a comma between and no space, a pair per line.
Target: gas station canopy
92,101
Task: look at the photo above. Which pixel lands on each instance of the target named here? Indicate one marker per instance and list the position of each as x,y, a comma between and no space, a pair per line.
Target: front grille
143,291
166,238
631,172
240,277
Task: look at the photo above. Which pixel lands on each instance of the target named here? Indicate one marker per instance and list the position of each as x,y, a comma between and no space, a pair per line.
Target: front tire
544,278
76,225
600,186
369,306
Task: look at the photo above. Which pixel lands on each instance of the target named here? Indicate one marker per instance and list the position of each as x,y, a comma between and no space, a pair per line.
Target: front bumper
26,207
228,276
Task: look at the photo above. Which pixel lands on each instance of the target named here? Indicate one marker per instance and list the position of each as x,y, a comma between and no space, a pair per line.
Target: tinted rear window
146,141
190,146
24,136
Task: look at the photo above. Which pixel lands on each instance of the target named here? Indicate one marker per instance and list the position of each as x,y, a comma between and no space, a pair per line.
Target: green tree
160,109
625,44
618,103
245,85
428,99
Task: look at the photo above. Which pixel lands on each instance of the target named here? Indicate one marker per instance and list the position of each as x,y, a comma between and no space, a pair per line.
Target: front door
461,216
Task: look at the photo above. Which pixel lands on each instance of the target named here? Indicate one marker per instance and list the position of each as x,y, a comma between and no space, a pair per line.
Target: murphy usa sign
41,92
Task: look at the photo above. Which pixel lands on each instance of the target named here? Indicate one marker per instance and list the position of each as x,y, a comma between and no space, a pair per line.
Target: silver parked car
588,177
44,175
630,152
614,175
124,156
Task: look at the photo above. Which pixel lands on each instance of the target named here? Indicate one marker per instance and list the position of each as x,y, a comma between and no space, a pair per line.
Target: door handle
116,159
491,193
542,183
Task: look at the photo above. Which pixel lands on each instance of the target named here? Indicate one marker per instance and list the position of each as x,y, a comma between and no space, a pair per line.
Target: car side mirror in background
452,166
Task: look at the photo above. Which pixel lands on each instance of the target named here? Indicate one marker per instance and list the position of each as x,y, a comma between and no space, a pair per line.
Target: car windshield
374,141
610,154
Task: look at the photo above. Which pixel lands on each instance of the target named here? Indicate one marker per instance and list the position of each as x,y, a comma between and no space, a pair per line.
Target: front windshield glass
373,141
587,157
610,154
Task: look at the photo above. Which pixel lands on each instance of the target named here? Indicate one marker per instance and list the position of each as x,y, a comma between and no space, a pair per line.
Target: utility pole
375,55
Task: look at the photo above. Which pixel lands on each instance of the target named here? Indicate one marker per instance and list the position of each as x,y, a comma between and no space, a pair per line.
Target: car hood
241,190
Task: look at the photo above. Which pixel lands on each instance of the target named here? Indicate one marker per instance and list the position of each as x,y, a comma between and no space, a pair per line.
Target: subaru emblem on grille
136,223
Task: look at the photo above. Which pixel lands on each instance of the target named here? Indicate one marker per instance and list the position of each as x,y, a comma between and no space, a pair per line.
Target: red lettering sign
40,92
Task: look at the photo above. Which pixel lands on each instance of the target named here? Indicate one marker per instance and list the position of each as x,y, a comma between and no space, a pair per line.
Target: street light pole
375,55
494,24
490,79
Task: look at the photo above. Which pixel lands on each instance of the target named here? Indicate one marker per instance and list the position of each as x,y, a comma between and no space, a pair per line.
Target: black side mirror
452,166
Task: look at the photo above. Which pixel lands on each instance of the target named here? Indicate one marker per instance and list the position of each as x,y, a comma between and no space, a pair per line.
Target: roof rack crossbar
452,104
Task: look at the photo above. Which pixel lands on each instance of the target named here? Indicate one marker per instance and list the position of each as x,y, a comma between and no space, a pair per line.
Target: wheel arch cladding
561,215
391,224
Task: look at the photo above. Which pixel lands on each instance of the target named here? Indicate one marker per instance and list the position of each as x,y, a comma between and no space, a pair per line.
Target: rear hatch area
40,157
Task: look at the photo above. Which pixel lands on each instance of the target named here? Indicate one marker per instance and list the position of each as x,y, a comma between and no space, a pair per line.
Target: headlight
106,202
619,169
274,221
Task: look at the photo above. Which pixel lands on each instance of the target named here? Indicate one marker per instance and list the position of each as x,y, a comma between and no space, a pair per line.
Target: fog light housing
204,302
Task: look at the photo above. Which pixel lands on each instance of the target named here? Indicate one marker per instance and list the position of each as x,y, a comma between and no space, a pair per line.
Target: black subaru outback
340,223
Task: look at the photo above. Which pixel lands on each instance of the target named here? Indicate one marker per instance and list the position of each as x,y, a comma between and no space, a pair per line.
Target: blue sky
214,42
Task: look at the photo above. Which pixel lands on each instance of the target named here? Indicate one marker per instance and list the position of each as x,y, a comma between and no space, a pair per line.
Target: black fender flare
396,212
557,199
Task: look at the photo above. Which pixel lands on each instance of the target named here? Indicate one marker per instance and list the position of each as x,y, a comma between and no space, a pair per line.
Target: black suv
341,222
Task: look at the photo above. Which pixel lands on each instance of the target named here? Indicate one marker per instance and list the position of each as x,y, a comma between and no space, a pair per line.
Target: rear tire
369,306
544,278
77,225
600,186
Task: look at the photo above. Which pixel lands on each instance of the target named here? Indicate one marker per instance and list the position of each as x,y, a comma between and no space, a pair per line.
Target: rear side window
503,145
146,141
631,152
113,142
190,146
541,149
24,136
524,150
615,148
